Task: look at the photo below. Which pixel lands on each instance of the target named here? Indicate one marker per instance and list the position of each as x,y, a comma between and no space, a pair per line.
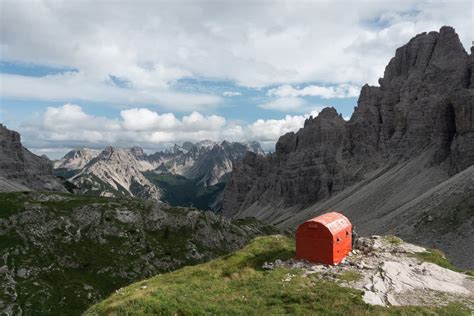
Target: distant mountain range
63,252
188,173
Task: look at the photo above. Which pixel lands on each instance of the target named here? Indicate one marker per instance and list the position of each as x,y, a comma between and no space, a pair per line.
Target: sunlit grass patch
436,256
394,240
236,285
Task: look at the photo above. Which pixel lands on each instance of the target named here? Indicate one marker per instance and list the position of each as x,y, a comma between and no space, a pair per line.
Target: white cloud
71,116
267,132
78,86
153,44
285,104
69,123
144,119
196,121
231,93
270,130
339,91
69,126
290,104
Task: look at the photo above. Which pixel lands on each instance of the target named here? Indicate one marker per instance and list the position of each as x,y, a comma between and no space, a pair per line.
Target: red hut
324,239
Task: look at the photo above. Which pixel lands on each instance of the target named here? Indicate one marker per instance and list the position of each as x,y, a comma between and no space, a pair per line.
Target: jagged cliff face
420,120
424,100
22,170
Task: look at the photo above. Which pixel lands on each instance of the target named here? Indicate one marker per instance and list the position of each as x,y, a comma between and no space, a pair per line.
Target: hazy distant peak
205,143
77,158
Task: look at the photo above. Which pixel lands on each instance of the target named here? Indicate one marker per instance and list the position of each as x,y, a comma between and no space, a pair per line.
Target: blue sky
139,73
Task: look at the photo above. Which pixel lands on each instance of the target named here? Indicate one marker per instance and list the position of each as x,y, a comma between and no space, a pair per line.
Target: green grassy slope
61,253
236,285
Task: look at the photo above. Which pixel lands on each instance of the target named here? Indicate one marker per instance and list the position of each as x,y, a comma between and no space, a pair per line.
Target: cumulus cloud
196,121
339,91
231,93
154,44
269,130
144,119
71,116
69,125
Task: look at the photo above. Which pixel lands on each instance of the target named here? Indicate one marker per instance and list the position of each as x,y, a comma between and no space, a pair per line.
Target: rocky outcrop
391,272
417,126
19,168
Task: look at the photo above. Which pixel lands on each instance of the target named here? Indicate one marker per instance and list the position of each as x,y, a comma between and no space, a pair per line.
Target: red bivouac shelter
324,239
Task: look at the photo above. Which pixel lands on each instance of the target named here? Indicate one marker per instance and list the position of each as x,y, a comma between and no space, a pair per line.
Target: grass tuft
394,240
437,256
349,276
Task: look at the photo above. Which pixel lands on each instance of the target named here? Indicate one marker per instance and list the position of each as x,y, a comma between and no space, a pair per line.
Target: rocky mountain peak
325,114
255,147
434,53
205,143
9,137
76,159
116,172
176,148
107,152
77,152
187,145
326,129
225,143
117,156
20,169
421,116
328,113
137,152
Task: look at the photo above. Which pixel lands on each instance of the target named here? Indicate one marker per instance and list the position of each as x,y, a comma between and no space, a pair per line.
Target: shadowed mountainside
400,165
